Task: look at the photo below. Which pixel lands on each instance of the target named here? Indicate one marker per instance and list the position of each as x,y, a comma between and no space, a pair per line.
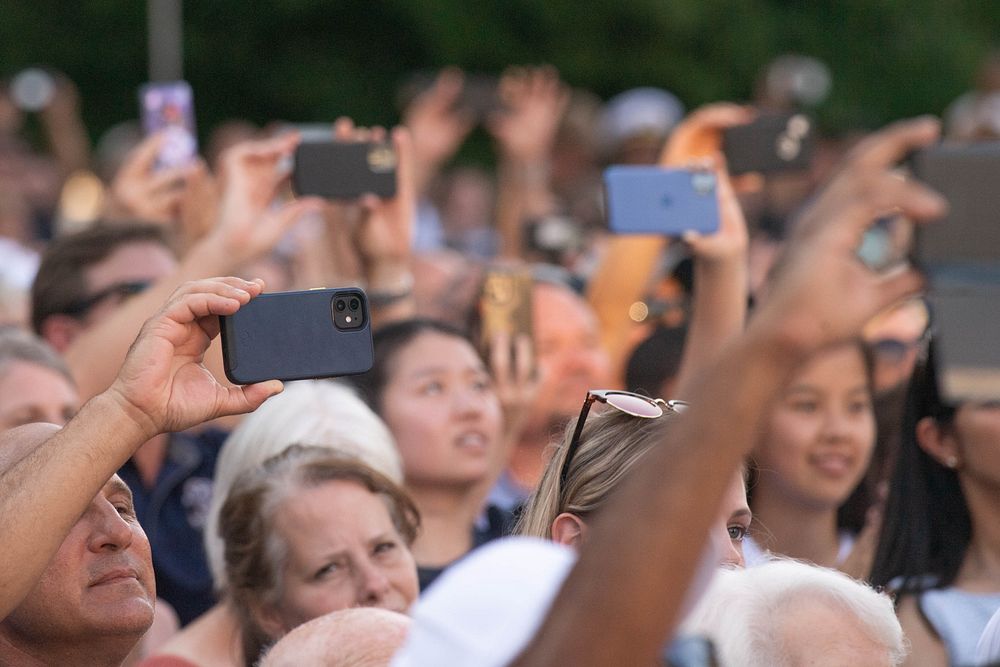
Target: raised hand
247,225
512,365
437,124
163,384
534,100
141,192
383,228
823,294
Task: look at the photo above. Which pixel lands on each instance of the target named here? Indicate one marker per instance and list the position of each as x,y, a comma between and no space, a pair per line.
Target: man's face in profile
99,584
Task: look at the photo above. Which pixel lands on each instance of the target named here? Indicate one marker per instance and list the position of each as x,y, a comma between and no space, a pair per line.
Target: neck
528,460
980,569
149,458
447,519
795,530
22,652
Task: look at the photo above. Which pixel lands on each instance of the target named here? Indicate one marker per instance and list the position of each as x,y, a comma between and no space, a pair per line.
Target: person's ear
60,330
569,529
268,619
939,443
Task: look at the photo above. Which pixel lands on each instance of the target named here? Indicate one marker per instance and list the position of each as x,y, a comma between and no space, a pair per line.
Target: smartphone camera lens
355,303
341,305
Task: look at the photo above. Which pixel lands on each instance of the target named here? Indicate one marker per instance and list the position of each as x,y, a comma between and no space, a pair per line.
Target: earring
951,462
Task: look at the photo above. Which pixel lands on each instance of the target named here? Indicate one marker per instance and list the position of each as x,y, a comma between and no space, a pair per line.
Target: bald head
359,637
16,443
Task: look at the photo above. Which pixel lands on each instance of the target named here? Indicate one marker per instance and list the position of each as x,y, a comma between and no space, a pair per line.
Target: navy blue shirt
173,514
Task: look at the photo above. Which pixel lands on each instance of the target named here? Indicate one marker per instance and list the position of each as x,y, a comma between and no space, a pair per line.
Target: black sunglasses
121,290
628,402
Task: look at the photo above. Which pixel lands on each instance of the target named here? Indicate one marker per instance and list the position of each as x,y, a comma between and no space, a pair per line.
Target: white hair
743,611
356,637
319,413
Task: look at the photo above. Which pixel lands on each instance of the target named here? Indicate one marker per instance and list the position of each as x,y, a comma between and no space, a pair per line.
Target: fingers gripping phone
344,170
298,335
654,200
168,107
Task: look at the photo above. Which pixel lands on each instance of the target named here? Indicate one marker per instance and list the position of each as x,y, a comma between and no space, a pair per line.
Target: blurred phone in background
505,306
168,107
654,200
772,143
344,170
960,255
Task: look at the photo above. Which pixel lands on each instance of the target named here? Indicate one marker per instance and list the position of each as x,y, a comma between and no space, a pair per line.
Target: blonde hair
611,443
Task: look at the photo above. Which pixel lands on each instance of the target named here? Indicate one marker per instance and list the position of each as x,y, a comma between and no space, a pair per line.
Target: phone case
654,200
960,255
169,107
344,170
772,143
967,176
505,305
297,336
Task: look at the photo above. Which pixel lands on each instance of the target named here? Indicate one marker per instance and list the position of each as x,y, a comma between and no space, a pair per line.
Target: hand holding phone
298,335
655,200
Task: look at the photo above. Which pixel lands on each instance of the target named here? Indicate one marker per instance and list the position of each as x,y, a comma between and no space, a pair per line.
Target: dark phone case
292,336
772,143
968,176
344,170
961,257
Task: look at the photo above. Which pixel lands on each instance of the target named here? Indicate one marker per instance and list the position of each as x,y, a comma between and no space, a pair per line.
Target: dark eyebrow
741,513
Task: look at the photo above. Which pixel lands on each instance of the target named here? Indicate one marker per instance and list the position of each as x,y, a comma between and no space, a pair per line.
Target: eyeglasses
121,290
636,405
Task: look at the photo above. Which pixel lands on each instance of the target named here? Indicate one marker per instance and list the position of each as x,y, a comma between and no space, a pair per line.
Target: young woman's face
343,550
821,432
735,520
442,409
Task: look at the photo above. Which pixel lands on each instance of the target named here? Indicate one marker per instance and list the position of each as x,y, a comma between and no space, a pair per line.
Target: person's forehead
115,485
133,261
559,307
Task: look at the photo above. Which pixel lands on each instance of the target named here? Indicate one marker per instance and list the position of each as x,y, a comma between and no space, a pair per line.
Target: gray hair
317,413
18,345
743,611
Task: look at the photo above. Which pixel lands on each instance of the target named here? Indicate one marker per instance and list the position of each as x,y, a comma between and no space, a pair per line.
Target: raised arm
246,228
622,599
630,261
163,386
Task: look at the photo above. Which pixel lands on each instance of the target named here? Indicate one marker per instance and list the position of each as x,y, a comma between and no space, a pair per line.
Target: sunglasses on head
628,402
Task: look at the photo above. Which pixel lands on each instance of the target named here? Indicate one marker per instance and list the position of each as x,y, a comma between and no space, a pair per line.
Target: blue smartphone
655,200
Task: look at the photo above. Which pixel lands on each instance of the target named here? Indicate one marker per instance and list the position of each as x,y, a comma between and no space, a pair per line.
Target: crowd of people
724,449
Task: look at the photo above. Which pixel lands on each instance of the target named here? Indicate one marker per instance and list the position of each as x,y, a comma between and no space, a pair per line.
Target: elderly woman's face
342,551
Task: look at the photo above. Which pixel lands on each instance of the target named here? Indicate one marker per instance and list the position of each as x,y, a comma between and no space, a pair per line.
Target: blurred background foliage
313,60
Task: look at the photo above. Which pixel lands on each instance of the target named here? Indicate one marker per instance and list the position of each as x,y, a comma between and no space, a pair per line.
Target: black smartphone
297,336
771,143
344,170
960,256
